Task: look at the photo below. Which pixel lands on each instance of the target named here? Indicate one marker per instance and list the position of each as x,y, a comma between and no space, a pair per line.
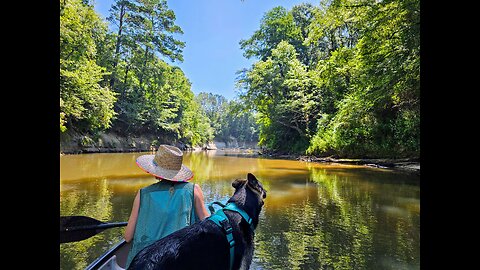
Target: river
316,215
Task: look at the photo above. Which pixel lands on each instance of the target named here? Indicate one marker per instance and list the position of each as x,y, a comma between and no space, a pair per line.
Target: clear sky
212,32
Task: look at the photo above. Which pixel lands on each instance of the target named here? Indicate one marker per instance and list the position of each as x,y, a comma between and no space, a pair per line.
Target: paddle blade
77,228
68,222
74,236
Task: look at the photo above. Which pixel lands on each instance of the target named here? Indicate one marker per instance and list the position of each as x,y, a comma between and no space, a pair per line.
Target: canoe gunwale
105,256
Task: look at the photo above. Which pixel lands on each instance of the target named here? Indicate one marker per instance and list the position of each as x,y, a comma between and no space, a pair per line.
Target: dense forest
117,80
341,78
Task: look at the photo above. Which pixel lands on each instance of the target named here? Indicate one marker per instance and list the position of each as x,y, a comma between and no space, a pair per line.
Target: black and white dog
203,245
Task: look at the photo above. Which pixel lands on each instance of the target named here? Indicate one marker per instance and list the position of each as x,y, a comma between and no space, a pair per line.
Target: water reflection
316,216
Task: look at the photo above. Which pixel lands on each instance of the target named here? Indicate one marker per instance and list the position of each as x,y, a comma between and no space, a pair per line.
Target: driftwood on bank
406,164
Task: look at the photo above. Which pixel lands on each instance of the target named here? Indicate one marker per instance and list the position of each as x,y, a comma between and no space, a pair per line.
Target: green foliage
380,115
284,94
358,92
195,126
230,120
84,102
340,78
115,80
239,123
215,107
279,25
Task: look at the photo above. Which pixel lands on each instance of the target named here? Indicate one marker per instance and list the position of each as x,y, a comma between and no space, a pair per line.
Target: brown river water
316,215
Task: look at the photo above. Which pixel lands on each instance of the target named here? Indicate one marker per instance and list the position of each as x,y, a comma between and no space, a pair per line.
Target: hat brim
147,164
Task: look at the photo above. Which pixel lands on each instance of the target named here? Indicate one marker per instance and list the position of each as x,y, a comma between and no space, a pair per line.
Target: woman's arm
132,221
200,209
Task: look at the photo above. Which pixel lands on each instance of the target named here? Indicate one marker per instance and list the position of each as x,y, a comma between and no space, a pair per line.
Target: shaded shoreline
409,165
111,143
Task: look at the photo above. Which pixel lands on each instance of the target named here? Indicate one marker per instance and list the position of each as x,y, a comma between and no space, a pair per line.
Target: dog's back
199,246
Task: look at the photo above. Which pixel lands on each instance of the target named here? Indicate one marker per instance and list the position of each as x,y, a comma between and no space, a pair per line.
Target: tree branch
293,127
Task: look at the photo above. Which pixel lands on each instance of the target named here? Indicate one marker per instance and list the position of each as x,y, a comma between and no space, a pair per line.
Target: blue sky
212,32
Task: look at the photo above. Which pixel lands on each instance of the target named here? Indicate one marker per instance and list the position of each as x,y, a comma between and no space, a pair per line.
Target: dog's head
250,194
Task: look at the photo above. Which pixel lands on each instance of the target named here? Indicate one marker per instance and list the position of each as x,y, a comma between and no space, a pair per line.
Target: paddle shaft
102,226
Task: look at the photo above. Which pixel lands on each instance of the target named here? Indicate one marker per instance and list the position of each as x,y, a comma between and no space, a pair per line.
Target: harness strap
234,207
212,210
222,221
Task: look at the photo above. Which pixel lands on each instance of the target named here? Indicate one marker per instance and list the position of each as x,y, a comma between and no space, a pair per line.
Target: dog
203,245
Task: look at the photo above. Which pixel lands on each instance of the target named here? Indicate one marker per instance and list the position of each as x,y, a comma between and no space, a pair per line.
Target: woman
166,206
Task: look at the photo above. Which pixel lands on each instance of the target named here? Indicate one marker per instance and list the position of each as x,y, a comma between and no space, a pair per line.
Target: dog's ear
238,182
251,178
254,183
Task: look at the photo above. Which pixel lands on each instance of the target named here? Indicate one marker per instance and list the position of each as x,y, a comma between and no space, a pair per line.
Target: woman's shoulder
197,191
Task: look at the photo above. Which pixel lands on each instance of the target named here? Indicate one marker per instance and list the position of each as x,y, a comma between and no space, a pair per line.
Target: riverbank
109,142
75,143
409,165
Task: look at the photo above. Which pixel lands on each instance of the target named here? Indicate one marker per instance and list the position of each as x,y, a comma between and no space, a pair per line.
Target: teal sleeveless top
165,207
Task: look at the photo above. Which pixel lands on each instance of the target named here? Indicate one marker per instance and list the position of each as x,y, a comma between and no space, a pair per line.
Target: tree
215,107
84,102
341,78
379,115
148,24
230,120
283,93
116,80
195,124
239,124
145,30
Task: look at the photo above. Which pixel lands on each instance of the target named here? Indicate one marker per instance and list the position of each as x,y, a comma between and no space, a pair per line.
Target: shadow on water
316,216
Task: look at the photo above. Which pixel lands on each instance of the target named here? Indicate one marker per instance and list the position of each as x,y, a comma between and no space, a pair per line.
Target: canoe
114,259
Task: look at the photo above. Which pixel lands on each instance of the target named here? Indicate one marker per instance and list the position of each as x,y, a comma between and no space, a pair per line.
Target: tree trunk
117,47
143,67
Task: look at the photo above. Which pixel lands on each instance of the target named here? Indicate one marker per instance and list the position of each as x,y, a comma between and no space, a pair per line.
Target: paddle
77,228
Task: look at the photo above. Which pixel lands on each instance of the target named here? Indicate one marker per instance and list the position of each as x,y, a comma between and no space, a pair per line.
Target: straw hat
166,164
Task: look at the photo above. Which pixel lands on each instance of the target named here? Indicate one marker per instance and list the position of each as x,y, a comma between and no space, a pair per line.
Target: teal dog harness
222,221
